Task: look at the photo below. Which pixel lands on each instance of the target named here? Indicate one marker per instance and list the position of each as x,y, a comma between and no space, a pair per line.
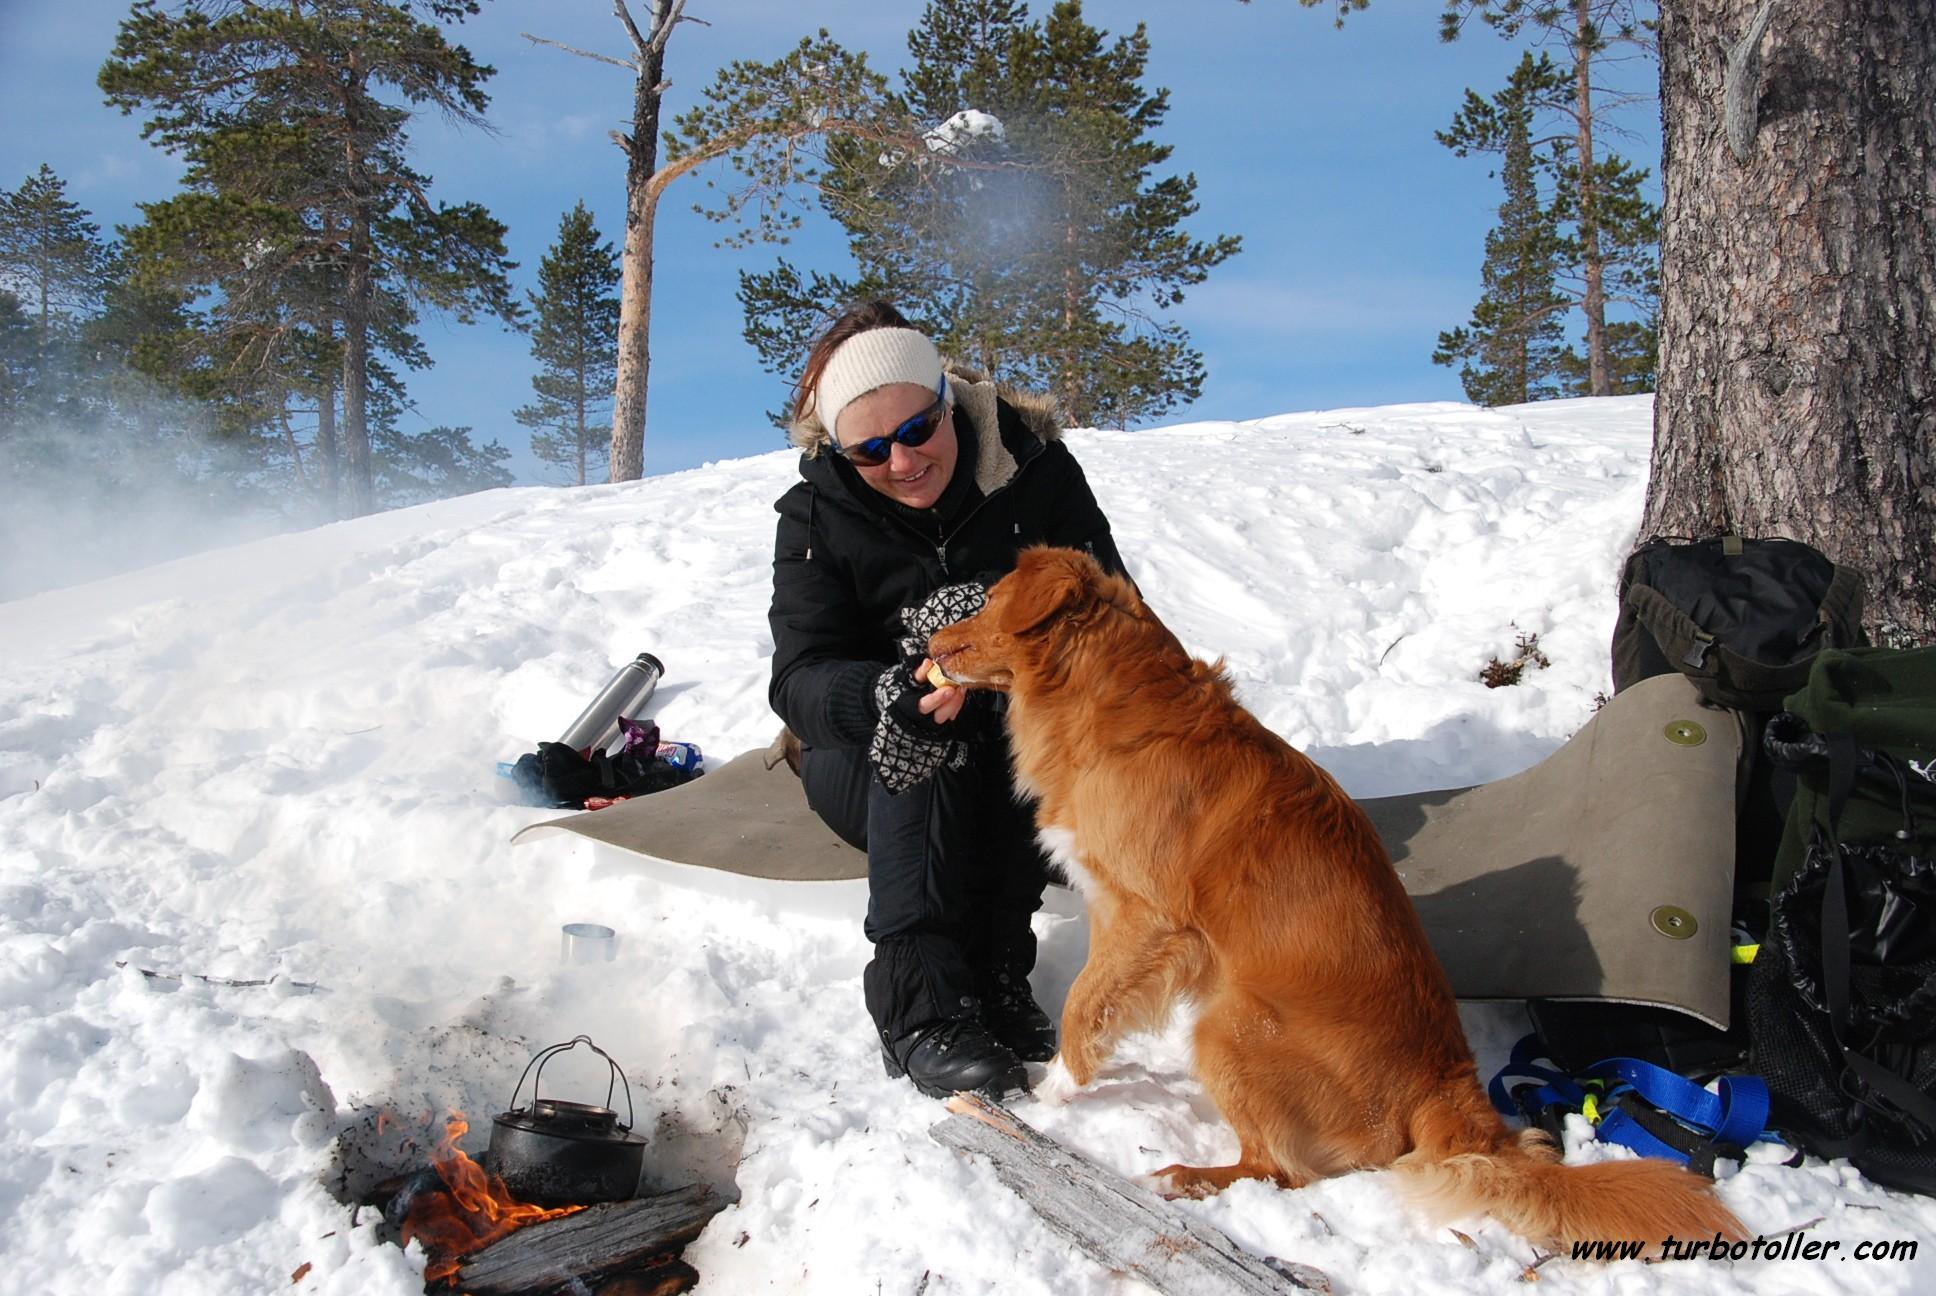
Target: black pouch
1741,618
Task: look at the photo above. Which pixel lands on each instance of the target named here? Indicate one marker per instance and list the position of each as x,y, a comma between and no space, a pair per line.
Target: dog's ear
1047,582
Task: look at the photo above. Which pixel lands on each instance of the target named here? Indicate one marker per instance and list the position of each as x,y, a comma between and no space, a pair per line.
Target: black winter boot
957,1053
1013,1017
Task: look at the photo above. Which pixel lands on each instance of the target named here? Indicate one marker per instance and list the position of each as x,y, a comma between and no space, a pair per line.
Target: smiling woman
921,485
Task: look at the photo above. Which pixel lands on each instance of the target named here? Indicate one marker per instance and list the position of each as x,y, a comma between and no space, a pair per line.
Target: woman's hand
943,704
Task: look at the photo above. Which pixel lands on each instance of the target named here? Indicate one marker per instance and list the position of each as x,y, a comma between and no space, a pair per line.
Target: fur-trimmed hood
979,397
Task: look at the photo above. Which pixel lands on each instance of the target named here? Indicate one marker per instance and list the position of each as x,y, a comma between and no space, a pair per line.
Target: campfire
551,1206
474,1209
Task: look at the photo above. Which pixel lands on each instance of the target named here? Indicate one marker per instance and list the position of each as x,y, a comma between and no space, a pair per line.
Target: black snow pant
953,873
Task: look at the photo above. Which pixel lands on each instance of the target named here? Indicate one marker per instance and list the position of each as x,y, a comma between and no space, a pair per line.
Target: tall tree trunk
1798,339
1594,304
356,371
328,452
358,292
635,294
46,275
1070,397
295,450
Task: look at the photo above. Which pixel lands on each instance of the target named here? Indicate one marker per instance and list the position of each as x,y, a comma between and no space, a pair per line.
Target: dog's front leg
1137,966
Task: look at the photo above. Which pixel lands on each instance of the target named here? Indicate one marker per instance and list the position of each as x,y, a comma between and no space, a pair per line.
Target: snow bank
276,761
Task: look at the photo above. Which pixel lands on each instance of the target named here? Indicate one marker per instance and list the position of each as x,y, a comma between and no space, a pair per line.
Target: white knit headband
871,360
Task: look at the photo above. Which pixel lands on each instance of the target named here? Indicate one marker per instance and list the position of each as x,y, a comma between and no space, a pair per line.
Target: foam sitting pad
1603,872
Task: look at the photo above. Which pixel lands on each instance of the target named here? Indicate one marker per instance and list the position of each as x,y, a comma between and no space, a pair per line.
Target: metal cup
587,943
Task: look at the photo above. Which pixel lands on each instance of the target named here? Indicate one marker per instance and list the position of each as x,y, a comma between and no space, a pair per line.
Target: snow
964,128
276,760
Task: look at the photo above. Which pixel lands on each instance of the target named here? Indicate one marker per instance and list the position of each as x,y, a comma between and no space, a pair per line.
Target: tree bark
635,293
1798,340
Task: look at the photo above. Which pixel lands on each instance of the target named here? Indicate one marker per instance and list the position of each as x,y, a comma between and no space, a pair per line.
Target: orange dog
1222,865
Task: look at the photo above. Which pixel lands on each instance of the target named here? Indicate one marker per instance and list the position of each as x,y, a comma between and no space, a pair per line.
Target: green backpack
1842,994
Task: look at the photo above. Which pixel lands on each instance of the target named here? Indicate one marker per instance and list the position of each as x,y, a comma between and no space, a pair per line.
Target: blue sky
1362,235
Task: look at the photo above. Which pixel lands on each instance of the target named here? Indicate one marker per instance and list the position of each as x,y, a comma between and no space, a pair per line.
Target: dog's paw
1197,1182
1057,1086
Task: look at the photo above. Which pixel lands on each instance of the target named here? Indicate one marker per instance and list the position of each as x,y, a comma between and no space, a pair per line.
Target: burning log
595,1242
664,1277
1125,1227
473,1210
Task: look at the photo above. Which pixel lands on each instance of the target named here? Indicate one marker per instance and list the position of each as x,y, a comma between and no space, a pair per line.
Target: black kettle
557,1153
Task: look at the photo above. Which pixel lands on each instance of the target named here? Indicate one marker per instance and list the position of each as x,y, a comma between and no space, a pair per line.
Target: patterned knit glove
944,607
909,745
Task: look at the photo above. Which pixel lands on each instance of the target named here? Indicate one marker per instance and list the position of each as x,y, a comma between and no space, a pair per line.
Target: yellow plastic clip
1744,953
1591,1108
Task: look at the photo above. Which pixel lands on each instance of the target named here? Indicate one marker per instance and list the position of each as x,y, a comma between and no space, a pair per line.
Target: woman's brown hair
858,318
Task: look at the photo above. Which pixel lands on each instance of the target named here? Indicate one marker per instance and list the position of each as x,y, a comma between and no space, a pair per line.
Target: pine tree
1613,233
773,119
445,461
1633,360
1029,230
302,217
1512,348
1628,234
51,253
19,364
1796,351
575,340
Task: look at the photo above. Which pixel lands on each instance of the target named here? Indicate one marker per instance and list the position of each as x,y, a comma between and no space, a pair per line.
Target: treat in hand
937,678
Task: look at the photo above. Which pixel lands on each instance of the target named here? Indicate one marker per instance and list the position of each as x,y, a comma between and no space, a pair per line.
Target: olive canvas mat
1603,872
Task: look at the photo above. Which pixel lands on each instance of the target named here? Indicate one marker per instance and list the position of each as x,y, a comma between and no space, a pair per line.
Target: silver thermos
624,695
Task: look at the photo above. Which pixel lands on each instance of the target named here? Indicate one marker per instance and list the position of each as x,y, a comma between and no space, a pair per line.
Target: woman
919,489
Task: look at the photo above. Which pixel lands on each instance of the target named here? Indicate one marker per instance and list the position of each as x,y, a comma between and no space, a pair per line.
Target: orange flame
476,1211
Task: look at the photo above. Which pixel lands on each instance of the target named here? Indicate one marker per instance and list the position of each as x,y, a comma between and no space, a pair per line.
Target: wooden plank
596,1241
1126,1228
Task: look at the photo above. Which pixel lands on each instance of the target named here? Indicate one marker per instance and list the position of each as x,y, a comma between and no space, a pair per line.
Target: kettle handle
545,1055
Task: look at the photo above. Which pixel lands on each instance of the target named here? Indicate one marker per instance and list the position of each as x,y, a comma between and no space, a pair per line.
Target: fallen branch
1126,1228
179,977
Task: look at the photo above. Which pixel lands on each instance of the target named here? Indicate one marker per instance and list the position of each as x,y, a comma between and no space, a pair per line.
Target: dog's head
1029,618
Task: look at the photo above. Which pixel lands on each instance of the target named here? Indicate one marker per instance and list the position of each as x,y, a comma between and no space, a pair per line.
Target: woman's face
913,475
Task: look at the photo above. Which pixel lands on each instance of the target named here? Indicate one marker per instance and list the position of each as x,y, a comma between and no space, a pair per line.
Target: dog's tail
1521,1183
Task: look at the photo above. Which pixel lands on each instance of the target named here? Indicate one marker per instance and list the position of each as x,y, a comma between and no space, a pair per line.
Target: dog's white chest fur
1060,844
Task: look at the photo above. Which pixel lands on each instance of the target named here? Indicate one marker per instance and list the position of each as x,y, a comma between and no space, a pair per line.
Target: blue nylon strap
1556,1086
1735,1115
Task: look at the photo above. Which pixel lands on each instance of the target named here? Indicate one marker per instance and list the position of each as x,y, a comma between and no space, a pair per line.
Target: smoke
109,485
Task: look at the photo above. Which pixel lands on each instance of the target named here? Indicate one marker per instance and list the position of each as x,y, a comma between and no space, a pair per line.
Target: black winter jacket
845,565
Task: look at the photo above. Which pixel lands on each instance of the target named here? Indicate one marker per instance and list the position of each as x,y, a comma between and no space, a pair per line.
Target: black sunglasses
873,452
